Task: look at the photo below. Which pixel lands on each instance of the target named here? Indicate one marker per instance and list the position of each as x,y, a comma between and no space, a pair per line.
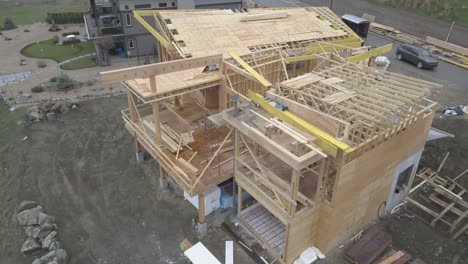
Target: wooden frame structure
446,200
312,137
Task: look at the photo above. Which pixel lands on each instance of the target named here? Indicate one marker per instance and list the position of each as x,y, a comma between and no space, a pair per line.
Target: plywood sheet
222,31
171,82
199,254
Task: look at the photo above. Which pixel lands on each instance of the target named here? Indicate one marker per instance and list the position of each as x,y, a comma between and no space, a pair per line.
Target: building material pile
443,198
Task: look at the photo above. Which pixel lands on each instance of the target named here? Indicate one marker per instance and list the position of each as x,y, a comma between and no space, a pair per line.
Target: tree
8,24
64,82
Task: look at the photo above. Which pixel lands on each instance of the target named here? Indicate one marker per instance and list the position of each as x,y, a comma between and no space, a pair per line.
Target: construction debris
443,198
369,247
302,114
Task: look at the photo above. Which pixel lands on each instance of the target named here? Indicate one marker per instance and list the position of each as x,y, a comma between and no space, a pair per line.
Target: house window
127,7
131,44
143,6
162,4
173,4
128,19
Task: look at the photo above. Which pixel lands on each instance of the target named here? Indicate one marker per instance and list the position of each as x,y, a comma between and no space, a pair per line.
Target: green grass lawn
47,49
23,15
87,62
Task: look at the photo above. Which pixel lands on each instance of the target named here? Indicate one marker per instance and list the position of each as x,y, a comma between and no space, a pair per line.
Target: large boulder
49,239
29,217
32,231
24,205
58,256
34,116
46,225
31,245
54,245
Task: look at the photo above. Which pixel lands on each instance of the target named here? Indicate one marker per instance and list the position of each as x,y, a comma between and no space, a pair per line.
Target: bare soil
109,208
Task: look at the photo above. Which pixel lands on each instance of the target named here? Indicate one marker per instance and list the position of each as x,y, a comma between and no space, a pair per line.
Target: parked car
420,57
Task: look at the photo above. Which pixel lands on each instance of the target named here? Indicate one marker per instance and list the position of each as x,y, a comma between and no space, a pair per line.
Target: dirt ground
82,168
110,208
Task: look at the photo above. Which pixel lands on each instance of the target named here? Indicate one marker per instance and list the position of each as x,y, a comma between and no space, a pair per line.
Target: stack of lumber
171,139
395,34
369,247
458,54
396,257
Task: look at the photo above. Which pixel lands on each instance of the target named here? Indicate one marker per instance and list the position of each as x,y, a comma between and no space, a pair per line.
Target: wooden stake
450,31
443,162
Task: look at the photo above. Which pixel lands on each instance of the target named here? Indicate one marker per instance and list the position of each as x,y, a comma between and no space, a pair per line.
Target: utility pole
331,4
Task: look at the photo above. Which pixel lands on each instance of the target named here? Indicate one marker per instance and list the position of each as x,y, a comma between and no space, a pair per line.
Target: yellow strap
372,53
327,142
250,70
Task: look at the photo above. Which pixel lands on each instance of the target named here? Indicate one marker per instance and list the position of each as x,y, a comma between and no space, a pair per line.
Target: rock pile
49,110
41,230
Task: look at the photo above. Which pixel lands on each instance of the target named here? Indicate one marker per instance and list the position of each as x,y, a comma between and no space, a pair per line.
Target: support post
139,151
235,153
156,116
294,190
162,177
202,226
239,201
450,31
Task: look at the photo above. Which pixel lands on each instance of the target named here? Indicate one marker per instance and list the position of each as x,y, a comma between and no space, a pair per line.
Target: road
405,21
453,77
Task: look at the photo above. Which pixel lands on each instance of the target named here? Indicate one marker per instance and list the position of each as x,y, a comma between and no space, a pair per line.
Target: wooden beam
250,70
369,54
146,71
156,115
151,30
300,58
447,46
327,142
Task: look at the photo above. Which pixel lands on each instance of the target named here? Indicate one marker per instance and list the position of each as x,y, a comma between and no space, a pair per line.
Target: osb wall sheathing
364,184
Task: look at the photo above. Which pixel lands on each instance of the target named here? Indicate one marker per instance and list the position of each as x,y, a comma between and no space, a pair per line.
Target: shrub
55,40
64,82
71,41
65,18
37,89
64,34
53,79
8,24
41,64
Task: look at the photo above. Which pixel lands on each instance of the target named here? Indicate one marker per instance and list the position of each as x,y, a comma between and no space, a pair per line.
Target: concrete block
163,183
202,229
140,156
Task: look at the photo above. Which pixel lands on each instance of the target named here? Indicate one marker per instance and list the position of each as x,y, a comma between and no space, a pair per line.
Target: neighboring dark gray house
115,32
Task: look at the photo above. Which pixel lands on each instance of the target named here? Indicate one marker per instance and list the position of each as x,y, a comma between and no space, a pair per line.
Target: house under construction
277,99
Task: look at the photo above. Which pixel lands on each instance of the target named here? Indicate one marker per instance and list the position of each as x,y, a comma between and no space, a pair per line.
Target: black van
357,24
